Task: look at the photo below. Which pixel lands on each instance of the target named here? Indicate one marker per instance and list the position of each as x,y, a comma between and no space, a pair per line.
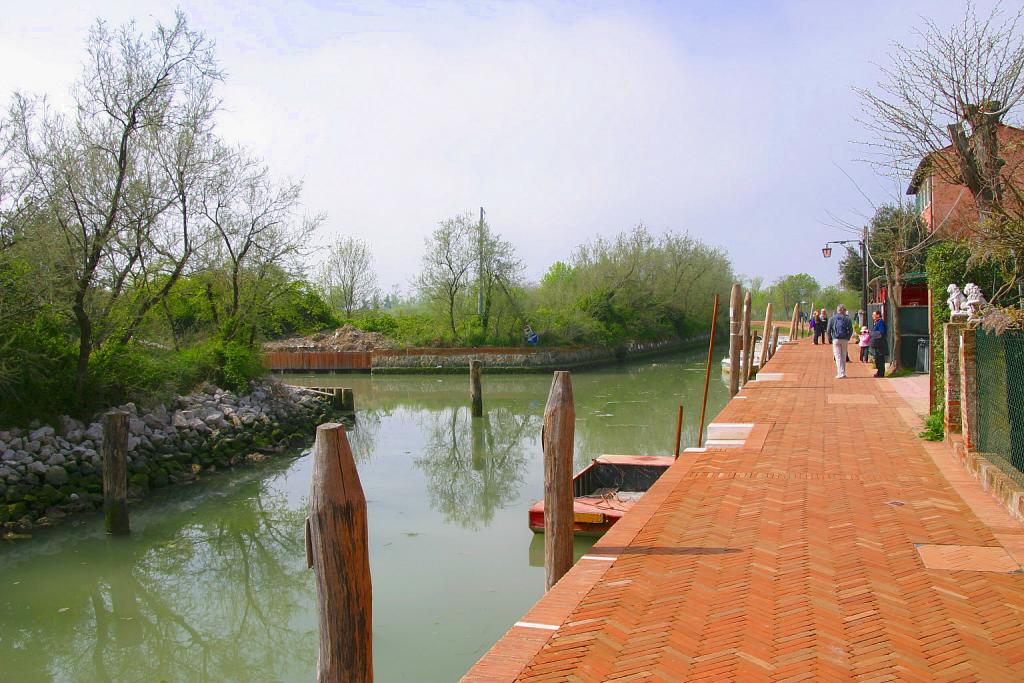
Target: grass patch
902,372
934,426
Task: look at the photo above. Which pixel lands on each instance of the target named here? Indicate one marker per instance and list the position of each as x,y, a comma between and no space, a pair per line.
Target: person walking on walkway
879,343
840,329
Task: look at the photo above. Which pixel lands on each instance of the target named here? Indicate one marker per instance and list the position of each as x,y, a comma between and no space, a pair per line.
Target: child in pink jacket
864,343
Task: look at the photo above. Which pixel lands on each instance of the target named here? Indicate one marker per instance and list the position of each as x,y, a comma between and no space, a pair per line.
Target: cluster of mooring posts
336,530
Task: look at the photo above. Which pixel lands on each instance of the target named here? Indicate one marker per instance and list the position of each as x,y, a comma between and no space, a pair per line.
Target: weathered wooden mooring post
679,430
775,340
115,473
476,396
766,333
346,400
707,371
557,440
794,324
336,549
735,339
748,340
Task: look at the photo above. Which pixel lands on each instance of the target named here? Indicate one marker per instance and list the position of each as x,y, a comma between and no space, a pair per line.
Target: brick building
949,207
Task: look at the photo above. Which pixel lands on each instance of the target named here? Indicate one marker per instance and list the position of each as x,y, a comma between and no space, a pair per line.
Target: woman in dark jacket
879,343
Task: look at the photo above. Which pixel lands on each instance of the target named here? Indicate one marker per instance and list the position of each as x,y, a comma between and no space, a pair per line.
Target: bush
239,365
950,263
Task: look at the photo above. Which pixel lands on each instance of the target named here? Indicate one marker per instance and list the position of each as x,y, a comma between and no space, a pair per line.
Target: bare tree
500,271
939,110
100,181
447,264
955,88
347,278
259,236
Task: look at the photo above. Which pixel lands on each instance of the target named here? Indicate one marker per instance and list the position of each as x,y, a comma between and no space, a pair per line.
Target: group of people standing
838,330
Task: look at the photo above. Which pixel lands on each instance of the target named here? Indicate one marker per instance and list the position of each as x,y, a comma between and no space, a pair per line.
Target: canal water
212,584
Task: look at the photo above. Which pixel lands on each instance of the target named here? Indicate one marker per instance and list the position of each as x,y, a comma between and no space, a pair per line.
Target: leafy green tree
113,181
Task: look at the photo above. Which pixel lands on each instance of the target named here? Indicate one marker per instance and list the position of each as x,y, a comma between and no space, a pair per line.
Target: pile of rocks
346,338
49,471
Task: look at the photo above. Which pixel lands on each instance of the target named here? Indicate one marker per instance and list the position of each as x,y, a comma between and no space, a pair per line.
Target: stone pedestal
968,389
951,375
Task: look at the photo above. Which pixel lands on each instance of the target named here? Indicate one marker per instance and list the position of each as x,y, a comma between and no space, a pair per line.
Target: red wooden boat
605,490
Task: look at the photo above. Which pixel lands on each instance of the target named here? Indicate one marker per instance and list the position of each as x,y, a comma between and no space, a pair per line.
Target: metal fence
1000,362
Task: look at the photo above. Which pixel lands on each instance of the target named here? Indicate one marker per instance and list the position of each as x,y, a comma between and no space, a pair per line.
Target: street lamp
826,252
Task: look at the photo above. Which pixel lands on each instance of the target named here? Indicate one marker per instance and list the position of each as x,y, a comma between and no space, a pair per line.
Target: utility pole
864,285
480,267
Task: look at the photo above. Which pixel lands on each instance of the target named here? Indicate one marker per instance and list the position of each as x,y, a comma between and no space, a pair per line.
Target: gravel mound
347,338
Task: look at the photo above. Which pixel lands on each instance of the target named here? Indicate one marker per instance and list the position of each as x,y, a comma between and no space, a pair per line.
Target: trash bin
923,355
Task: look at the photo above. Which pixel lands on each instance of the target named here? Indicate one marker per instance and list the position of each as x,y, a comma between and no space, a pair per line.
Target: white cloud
563,122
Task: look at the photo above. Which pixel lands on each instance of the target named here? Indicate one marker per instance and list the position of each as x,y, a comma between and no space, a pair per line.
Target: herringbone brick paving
792,558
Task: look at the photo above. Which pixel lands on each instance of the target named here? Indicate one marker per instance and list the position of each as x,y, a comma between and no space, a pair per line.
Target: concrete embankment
523,360
49,471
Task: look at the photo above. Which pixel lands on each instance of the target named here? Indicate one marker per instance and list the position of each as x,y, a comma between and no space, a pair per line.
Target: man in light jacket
840,329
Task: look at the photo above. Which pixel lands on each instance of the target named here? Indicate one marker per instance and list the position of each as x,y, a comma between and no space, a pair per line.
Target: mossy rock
16,510
140,480
159,478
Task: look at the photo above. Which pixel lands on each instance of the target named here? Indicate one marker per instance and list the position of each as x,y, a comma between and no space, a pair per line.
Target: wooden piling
475,393
735,338
679,429
766,333
557,437
775,339
348,400
707,372
341,562
115,473
748,340
794,332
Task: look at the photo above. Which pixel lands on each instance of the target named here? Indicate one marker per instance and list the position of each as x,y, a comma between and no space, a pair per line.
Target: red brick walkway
834,546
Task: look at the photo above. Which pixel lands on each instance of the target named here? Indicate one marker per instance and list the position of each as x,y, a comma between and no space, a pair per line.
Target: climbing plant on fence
949,263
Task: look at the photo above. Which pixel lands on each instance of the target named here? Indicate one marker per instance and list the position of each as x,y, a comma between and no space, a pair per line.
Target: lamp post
826,252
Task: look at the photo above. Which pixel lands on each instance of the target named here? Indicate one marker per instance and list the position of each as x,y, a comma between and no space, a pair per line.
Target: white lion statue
975,300
957,303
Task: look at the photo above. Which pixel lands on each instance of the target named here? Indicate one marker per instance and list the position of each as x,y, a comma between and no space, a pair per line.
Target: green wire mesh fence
1001,400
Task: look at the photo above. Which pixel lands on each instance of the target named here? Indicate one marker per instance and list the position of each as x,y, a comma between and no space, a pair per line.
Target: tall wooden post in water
115,473
348,400
557,437
794,325
679,429
766,333
336,542
748,339
475,393
735,339
707,372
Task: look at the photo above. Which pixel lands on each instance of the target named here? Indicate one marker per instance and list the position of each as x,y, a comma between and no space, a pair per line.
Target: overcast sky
734,121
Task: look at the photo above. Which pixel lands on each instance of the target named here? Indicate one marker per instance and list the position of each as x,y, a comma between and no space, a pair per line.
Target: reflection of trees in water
362,436
474,466
226,599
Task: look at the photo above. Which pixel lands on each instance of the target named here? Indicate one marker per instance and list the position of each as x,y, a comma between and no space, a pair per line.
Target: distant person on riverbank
840,329
879,343
864,343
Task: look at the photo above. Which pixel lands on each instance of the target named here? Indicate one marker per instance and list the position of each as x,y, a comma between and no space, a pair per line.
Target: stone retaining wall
51,471
533,360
